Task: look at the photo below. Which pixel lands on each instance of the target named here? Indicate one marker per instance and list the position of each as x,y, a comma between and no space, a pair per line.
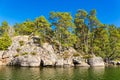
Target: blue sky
108,11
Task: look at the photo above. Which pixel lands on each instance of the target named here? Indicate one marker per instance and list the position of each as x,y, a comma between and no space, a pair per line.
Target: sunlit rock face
96,62
26,51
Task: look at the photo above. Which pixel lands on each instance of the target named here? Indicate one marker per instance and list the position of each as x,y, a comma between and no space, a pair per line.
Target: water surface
79,73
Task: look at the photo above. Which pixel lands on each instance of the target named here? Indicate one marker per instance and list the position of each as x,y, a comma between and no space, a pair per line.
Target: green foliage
5,42
42,28
21,43
81,30
25,28
85,33
4,28
25,53
66,55
87,56
101,41
76,54
18,49
16,55
64,28
33,53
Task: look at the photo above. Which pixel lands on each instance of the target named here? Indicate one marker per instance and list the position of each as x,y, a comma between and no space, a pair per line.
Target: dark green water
80,73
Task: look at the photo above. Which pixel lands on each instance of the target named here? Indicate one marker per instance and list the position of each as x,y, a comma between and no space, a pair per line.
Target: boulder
47,62
26,60
77,60
29,60
68,62
48,47
96,62
48,55
59,62
48,59
118,63
83,64
64,62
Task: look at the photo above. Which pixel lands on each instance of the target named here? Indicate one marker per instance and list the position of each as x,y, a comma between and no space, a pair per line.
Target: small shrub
66,55
87,56
25,53
33,53
21,43
16,55
76,54
41,42
18,49
5,41
16,34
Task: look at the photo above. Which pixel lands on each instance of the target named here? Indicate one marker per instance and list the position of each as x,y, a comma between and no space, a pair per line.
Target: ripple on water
79,73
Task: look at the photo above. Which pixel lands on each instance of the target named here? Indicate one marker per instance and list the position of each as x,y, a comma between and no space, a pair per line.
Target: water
79,73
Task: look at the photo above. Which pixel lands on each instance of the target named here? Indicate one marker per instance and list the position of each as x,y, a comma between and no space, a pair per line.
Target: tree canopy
84,32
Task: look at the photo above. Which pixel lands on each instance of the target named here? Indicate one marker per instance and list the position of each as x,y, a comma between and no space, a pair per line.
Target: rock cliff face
96,62
26,51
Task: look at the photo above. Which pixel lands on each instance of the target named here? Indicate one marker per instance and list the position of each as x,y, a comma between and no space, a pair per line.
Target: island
60,41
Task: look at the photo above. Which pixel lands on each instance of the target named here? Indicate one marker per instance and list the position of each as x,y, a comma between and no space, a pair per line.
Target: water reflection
5,73
80,73
99,71
96,73
71,73
56,73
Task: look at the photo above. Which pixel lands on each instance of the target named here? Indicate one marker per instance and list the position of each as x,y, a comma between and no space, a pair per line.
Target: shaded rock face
96,62
78,61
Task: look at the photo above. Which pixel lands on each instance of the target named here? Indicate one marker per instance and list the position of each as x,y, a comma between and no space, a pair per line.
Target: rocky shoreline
24,51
